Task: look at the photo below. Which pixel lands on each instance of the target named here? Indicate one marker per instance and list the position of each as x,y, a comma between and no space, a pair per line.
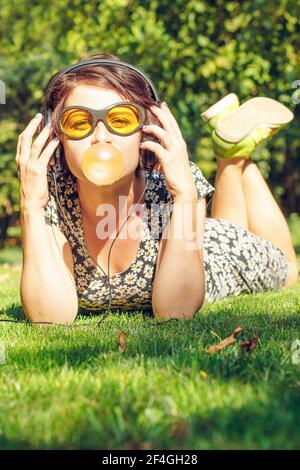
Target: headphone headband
70,68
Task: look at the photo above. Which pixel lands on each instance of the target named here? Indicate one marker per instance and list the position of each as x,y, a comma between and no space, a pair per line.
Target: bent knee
293,274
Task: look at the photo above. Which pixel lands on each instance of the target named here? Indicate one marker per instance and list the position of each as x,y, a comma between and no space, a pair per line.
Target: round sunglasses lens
123,119
76,122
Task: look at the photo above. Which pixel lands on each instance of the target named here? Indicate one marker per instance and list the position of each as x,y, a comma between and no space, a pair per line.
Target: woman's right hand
32,161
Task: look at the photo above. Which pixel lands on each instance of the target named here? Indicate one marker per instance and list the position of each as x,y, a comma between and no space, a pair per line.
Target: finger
164,118
163,135
26,137
18,170
18,151
40,142
159,151
158,167
173,120
49,150
32,126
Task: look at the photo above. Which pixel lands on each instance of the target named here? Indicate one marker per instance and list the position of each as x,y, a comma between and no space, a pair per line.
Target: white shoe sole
219,106
256,112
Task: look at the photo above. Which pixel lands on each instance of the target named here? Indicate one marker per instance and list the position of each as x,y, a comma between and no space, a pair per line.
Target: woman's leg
243,197
229,201
265,218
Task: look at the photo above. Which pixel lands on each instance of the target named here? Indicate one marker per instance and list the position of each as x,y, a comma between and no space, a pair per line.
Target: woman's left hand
171,153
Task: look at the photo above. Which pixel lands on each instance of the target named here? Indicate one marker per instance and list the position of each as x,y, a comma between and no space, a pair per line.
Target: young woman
244,247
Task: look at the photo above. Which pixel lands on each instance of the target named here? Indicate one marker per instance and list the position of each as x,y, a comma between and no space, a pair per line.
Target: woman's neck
93,197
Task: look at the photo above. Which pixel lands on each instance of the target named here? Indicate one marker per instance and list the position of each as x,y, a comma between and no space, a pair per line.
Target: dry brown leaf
249,345
122,337
213,348
135,445
203,374
179,431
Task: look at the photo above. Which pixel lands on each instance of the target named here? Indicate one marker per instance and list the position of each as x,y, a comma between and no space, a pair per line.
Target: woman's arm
47,289
179,284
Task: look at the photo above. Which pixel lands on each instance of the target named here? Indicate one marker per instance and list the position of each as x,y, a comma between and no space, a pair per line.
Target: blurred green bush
195,51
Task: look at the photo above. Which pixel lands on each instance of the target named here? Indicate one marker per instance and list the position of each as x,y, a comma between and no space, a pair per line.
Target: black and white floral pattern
236,261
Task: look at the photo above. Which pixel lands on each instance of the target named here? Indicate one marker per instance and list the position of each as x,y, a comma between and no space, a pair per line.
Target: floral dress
235,260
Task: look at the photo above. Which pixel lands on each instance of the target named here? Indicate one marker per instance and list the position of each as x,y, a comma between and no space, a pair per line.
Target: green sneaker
222,108
239,132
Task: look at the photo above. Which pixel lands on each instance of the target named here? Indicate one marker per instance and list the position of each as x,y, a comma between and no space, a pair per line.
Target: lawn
73,388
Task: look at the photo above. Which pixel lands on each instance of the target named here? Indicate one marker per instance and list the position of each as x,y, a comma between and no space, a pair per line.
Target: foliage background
195,51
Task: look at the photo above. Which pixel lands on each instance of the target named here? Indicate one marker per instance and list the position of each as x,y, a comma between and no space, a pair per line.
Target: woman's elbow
63,317
50,321
187,312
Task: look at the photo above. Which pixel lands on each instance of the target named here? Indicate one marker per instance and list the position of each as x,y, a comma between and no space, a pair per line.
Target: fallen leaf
203,374
249,345
179,431
135,445
121,341
225,342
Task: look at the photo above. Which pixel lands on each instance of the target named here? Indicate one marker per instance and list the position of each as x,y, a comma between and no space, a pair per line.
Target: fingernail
164,103
38,115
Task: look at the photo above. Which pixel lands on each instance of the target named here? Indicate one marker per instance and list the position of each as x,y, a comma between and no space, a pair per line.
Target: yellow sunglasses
124,118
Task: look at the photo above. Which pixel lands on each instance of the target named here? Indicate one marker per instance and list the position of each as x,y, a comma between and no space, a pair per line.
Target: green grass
71,387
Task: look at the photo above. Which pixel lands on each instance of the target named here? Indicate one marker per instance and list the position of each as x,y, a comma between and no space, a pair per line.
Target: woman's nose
101,133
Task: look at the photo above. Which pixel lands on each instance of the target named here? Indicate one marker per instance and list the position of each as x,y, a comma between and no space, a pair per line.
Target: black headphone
47,110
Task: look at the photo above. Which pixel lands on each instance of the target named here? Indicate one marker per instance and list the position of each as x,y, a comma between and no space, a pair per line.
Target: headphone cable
82,242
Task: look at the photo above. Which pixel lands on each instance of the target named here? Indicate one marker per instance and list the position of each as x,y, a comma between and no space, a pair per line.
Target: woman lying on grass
244,247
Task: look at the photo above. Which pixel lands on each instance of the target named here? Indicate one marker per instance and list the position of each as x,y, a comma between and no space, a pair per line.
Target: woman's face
98,98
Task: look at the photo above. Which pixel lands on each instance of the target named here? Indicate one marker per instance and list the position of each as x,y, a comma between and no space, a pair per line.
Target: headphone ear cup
151,159
44,121
47,116
150,138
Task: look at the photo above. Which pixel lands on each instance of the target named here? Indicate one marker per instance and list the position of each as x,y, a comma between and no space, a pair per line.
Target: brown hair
123,80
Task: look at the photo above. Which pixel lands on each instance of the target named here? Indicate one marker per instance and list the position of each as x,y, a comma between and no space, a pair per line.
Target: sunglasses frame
100,115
